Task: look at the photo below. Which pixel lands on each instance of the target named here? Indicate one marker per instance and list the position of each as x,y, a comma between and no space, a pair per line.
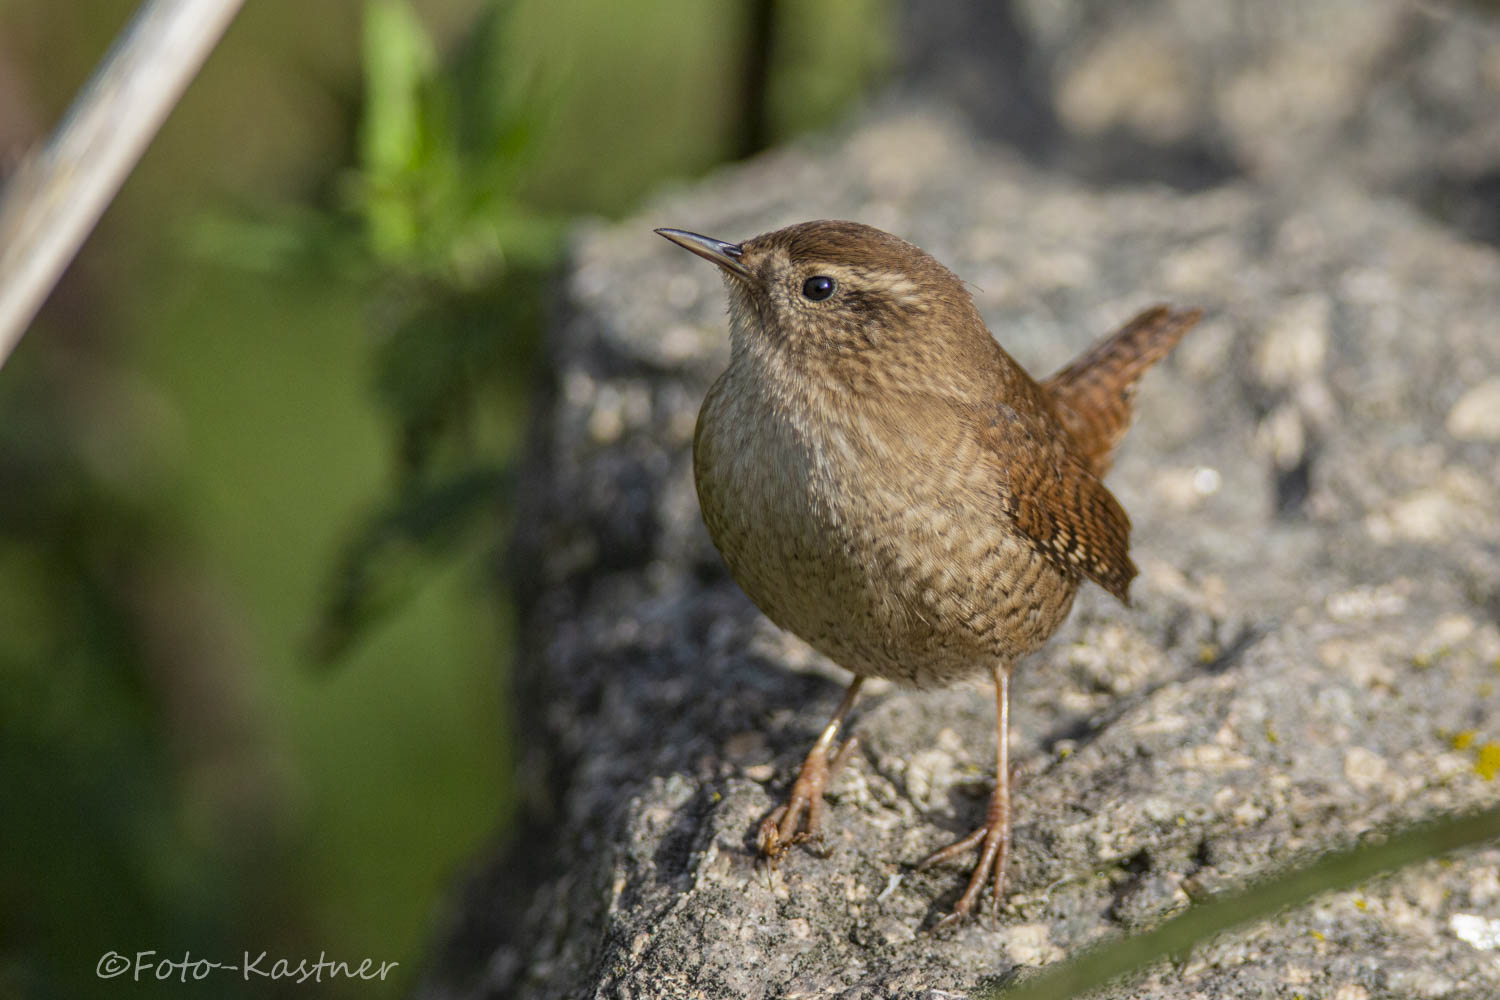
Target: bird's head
845,298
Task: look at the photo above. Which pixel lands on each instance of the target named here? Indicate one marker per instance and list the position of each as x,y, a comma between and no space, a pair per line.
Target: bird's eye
818,287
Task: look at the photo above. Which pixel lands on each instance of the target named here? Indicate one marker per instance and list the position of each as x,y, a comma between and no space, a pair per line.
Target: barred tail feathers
1093,395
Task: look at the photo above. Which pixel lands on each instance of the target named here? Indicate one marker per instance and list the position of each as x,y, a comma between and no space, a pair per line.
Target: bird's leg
995,834
781,829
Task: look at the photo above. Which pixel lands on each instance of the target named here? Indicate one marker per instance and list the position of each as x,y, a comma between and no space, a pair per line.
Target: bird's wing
1064,510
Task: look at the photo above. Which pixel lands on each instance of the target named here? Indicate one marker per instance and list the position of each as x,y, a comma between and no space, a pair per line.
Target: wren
887,484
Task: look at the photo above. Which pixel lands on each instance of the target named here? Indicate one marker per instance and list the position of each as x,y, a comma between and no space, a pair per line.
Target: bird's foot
994,841
785,828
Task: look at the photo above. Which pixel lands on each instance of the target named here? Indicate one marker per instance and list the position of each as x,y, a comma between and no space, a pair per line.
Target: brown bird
886,483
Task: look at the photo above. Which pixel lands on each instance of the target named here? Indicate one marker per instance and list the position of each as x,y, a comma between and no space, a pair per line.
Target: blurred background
255,451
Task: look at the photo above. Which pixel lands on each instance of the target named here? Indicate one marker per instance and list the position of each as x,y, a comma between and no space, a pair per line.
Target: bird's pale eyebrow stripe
895,285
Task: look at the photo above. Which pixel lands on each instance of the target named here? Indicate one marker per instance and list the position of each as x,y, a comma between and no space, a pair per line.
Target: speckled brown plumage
885,482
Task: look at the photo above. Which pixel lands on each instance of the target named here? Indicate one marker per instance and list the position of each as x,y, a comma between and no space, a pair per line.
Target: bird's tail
1093,395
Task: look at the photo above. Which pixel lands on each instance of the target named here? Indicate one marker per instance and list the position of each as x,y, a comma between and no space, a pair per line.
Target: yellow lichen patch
1463,739
1487,761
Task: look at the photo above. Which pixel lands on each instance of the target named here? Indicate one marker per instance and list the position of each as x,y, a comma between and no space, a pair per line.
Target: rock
1476,415
1393,95
1311,626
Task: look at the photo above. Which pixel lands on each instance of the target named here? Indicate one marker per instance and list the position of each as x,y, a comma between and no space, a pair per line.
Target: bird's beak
726,255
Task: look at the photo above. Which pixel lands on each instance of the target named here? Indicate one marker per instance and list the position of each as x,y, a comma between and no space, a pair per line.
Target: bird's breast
770,499
876,541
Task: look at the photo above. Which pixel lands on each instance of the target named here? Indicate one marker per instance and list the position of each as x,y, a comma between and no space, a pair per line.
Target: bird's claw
785,827
995,841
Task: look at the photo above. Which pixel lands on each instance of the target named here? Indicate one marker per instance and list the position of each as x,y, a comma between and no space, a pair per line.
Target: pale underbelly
914,595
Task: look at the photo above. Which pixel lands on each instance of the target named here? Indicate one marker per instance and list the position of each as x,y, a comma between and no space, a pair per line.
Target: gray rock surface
1313,652
1394,94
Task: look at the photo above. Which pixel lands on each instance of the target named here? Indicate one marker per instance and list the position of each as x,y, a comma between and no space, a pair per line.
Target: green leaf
399,60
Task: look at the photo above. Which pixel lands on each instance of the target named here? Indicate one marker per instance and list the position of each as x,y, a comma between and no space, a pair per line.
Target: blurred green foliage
441,150
430,221
276,400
